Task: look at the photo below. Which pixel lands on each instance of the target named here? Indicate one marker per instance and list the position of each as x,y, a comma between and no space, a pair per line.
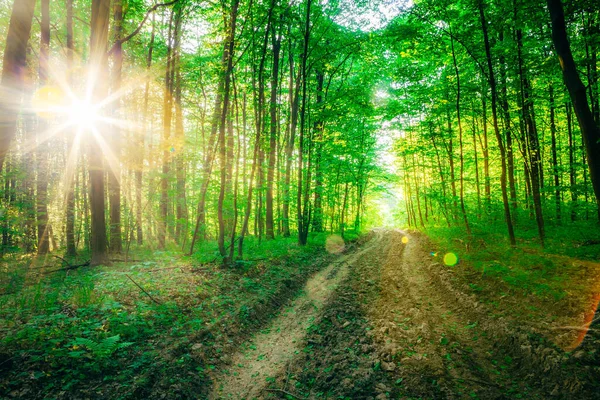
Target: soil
389,321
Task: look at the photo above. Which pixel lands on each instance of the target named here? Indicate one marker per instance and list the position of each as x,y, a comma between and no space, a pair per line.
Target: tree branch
140,26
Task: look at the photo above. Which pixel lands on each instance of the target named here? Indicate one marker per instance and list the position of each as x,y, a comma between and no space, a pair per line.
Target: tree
98,65
577,91
13,71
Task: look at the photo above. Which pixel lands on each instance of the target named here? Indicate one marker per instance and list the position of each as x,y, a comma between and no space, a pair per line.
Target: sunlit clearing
450,259
404,239
334,244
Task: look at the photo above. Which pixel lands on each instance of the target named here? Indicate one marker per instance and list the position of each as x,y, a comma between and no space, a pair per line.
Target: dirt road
388,321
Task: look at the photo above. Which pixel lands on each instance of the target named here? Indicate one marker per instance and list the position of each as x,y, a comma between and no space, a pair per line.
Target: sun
72,111
82,114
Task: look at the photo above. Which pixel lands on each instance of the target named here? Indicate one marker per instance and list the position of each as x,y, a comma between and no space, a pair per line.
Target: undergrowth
92,332
549,272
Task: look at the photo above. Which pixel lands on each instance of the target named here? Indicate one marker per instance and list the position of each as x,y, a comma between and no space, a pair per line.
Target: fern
103,349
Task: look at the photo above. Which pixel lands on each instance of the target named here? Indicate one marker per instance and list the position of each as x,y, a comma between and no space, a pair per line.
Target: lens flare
450,259
404,239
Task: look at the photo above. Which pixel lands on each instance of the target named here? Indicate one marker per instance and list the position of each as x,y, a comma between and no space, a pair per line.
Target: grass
549,272
93,333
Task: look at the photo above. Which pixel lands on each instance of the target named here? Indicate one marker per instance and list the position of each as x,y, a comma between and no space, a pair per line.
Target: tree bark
276,45
42,149
98,65
114,173
492,81
14,69
589,129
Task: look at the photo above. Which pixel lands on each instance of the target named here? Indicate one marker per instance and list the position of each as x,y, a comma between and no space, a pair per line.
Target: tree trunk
99,64
555,171
72,172
114,173
317,223
492,81
181,213
225,161
460,142
166,137
572,174
589,129
14,69
276,45
43,148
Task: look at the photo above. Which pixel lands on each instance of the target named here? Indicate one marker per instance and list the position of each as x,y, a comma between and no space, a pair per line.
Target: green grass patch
92,332
529,268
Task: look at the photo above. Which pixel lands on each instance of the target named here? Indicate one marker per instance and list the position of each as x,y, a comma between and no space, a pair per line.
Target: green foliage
92,326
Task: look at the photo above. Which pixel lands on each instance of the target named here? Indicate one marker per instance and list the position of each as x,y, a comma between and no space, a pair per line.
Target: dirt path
268,354
389,321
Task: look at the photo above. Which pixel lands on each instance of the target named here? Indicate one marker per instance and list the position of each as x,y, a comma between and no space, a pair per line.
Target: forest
299,199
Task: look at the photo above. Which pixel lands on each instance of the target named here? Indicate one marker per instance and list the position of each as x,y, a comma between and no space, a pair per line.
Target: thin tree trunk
555,171
460,142
99,62
43,148
166,137
225,161
276,45
114,172
181,214
70,190
492,81
572,175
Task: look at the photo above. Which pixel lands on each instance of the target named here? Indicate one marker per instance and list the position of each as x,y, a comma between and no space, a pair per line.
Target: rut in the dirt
399,328
267,355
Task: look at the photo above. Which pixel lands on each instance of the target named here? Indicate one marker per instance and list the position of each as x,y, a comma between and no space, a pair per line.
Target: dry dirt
388,321
266,355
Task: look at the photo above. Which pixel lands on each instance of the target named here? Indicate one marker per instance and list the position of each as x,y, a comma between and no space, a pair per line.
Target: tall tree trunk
276,45
589,129
533,145
302,211
294,91
114,172
572,174
43,147
70,189
460,141
181,213
486,150
318,128
508,134
14,69
139,170
226,162
555,171
256,165
492,81
99,65
166,137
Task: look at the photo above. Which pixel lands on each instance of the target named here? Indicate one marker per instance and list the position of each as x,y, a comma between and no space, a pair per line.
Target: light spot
450,259
335,244
46,99
404,239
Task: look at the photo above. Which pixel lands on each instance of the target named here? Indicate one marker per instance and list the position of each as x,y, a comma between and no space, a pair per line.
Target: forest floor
384,319
391,321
